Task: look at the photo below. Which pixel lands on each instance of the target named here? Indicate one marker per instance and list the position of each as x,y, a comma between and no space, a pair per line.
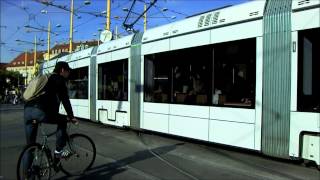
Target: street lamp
44,30
87,2
43,11
16,50
41,29
28,42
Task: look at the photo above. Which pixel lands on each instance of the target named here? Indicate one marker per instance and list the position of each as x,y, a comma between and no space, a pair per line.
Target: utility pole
25,66
116,33
145,18
71,28
49,29
35,55
108,15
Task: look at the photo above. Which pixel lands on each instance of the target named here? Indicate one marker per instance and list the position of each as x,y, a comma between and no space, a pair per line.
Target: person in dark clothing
45,108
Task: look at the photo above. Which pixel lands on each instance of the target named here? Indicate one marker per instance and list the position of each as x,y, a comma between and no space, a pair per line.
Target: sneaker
62,154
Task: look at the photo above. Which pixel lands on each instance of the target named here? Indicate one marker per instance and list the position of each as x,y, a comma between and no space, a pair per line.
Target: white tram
245,76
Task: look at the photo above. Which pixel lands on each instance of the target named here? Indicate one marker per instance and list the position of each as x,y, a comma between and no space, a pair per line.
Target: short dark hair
61,65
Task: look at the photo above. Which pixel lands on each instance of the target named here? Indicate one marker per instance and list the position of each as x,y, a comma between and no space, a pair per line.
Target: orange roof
20,59
3,65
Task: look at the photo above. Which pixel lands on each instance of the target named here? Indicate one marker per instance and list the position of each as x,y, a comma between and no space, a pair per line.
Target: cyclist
45,108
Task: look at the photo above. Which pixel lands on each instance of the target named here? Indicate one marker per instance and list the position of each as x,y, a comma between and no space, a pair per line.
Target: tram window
308,70
78,83
113,80
157,74
188,76
191,75
179,77
234,73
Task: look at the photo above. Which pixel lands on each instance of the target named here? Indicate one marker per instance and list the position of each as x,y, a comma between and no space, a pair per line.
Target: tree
9,80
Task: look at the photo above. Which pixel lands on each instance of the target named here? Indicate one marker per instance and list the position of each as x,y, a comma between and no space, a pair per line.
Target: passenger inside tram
233,89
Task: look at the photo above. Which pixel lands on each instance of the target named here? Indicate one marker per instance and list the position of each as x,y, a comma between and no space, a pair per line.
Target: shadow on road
107,171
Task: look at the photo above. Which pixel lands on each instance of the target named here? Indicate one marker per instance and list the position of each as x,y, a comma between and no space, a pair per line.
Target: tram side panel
305,89
239,111
154,116
112,106
78,86
178,86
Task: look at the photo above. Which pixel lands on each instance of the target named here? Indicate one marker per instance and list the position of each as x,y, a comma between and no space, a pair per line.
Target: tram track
120,165
155,154
114,165
158,151
123,165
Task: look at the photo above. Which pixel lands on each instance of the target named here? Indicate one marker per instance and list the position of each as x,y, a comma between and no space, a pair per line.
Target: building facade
24,64
63,49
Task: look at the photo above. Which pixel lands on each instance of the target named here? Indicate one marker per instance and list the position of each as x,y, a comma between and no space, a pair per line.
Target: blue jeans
34,113
31,129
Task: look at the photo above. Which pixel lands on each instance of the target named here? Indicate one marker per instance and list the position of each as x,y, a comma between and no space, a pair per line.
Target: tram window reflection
157,74
234,73
308,70
113,80
180,77
78,83
220,74
191,76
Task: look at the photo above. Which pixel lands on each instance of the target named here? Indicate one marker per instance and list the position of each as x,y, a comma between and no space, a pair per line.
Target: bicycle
41,161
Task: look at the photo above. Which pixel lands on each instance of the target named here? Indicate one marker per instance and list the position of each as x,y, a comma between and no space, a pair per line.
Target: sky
17,14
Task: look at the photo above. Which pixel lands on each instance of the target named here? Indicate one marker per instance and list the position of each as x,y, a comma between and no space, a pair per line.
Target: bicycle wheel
33,163
83,154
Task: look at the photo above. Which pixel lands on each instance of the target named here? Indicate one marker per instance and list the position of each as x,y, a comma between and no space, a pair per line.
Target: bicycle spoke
33,163
82,157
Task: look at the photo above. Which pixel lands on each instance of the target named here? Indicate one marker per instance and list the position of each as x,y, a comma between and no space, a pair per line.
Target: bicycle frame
45,140
44,163
53,163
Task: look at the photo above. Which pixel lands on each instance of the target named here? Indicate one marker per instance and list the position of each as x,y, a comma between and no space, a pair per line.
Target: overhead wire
18,27
94,13
14,33
161,12
84,22
64,7
15,5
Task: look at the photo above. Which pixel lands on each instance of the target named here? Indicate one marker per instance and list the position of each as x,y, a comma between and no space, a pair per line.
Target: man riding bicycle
45,108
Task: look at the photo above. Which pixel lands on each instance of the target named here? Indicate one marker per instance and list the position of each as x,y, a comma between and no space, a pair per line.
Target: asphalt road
125,154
